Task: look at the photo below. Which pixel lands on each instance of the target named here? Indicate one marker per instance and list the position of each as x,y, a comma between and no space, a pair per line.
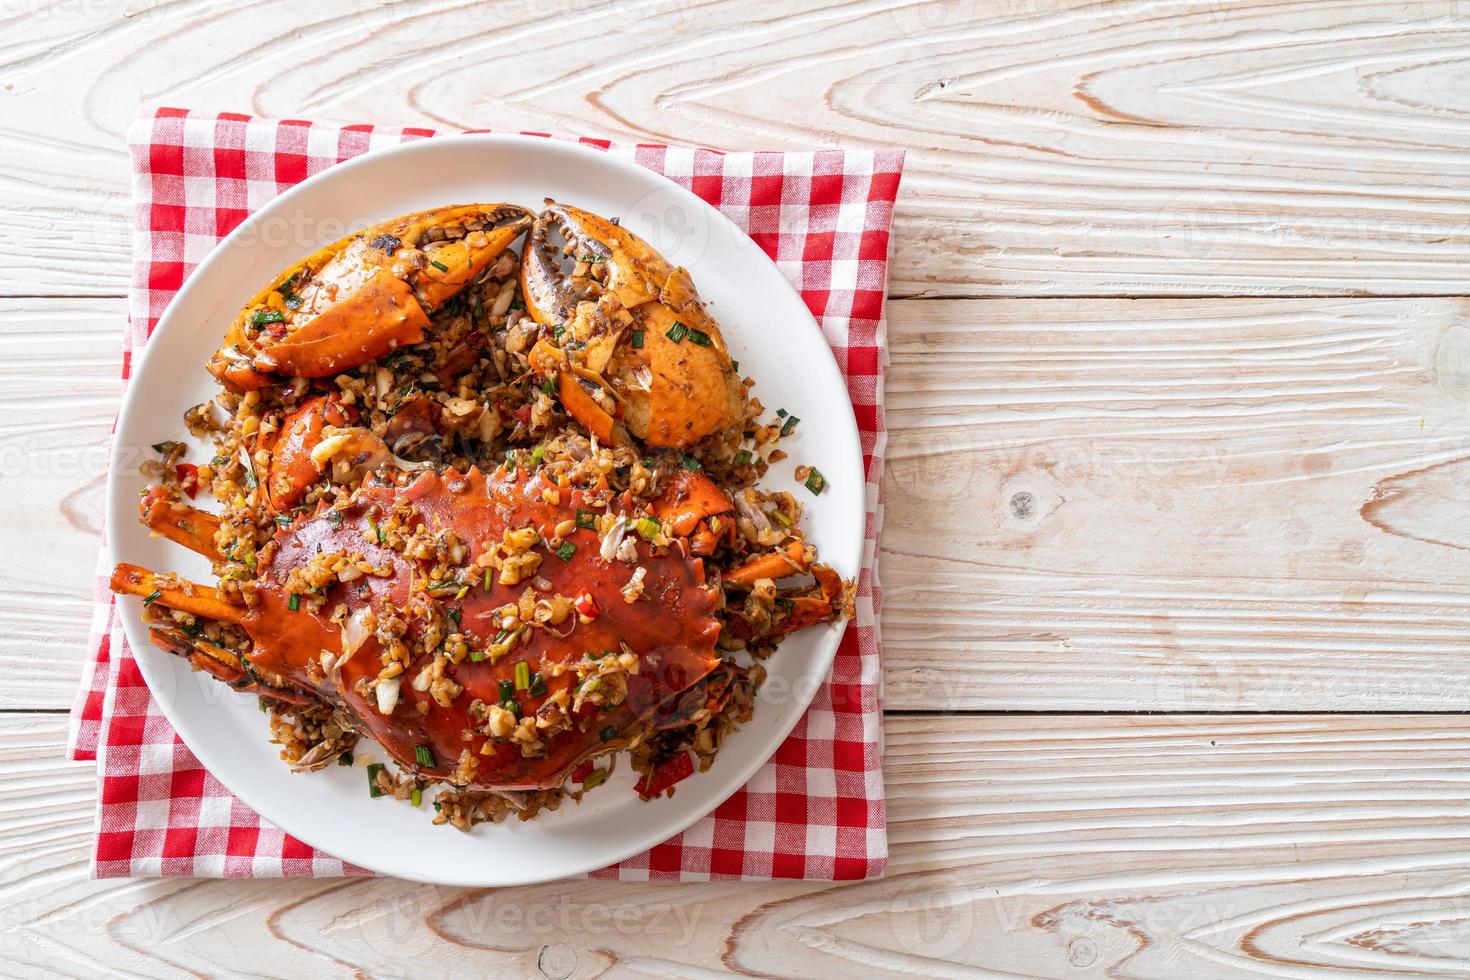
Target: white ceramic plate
768,329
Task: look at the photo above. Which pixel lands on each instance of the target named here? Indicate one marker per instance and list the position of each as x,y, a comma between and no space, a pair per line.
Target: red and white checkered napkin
816,809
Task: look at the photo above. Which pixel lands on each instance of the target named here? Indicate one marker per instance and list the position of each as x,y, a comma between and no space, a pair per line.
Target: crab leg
777,564
219,663
175,593
165,515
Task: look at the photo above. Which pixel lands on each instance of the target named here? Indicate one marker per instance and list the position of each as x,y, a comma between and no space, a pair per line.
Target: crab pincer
625,334
363,296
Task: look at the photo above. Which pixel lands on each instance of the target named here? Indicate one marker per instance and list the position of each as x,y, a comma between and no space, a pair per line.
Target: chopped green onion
292,301
249,560
374,790
439,265
736,364
780,518
283,520
790,424
513,706
477,655
219,461
596,654
595,778
152,597
538,685
294,603
548,387
163,447
262,317
566,551
536,455
691,464
501,636
523,676
487,580
377,531
586,519
637,341
780,413
423,755
816,482
648,528
454,615
607,733
448,585
699,338
677,332
250,479
516,304
345,759
507,691
558,330
742,457
416,796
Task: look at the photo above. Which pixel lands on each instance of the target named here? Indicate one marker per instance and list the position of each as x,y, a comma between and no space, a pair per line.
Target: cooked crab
364,296
630,343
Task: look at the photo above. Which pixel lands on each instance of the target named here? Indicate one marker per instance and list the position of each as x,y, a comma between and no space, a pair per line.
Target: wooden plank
1192,505
1100,505
1058,847
1067,148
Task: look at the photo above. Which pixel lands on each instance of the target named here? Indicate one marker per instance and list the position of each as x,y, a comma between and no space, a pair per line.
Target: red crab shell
672,629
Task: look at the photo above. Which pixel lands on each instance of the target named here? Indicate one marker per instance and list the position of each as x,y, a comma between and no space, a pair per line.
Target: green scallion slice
152,597
538,685
691,464
566,551
377,531
648,528
816,482
699,338
536,455
548,387
439,265
488,583
345,759
294,602
416,796
374,790
586,519
423,755
262,317
677,332
790,424
637,341
282,520
516,304
743,457
735,364
523,676
607,733
477,655
595,778
507,691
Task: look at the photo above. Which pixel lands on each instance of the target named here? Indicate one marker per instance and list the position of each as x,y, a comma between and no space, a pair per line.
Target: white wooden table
1177,636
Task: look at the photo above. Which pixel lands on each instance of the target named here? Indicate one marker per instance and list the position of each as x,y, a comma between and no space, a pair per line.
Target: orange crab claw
365,295
631,323
292,470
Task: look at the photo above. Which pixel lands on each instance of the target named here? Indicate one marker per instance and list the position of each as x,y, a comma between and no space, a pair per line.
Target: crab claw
292,448
165,514
365,295
636,352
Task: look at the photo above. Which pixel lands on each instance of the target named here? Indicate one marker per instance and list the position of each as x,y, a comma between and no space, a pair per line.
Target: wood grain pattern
1064,847
1057,147
1295,469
